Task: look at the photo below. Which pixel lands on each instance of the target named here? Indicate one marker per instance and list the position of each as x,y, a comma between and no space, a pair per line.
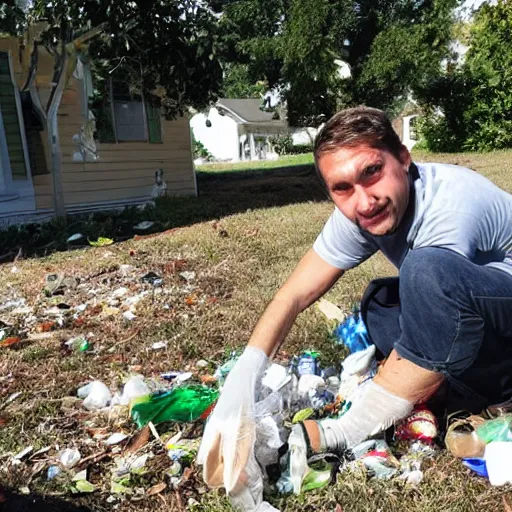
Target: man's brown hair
358,126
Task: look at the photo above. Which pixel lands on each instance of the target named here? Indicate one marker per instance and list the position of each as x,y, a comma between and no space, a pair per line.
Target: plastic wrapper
496,430
420,425
352,333
376,456
412,462
181,404
135,387
298,464
96,395
477,465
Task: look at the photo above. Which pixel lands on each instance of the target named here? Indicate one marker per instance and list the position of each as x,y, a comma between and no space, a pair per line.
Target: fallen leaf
506,506
339,508
191,300
3,422
156,489
46,326
207,379
139,440
8,342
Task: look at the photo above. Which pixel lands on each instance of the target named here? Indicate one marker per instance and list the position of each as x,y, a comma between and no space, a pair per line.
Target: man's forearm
274,324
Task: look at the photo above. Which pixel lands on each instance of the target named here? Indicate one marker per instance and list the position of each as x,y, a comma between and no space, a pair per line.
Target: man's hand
227,445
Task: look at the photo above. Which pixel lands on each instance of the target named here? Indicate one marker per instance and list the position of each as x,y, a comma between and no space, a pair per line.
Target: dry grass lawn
240,259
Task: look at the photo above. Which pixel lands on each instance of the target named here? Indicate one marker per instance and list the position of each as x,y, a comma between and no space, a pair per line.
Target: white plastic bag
96,395
227,448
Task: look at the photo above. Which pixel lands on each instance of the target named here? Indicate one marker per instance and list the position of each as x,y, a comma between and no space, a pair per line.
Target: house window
127,118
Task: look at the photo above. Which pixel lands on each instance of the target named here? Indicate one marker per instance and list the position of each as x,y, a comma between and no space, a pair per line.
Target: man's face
369,186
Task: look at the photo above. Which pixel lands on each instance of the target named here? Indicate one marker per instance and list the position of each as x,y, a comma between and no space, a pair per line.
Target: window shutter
104,123
11,120
154,124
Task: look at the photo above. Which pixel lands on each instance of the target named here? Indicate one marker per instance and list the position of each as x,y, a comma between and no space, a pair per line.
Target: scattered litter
188,275
58,284
181,404
134,388
128,315
69,458
101,242
78,344
330,310
21,455
144,225
116,439
77,238
96,395
53,472
159,345
152,278
497,458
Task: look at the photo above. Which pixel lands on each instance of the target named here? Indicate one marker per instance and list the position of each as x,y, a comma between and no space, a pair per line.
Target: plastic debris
421,424
308,364
129,315
53,472
152,278
145,225
159,345
58,283
69,458
499,429
188,275
276,377
377,457
78,344
497,461
222,371
352,333
96,395
101,242
116,439
134,388
77,238
182,404
477,465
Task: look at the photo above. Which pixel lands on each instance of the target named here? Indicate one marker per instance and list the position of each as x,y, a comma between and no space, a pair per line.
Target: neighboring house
237,129
95,174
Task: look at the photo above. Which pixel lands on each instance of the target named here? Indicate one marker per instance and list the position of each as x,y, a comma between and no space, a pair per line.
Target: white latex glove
227,448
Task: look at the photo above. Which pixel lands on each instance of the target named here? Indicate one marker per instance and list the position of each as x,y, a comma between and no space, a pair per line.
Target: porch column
253,146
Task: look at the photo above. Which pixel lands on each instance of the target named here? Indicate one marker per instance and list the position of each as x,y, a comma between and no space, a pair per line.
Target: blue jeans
447,314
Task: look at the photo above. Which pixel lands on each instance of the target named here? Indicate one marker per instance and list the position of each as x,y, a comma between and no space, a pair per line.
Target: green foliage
476,101
237,83
201,152
284,146
165,48
390,46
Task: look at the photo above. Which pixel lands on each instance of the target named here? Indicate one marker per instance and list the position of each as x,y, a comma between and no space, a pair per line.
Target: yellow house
95,175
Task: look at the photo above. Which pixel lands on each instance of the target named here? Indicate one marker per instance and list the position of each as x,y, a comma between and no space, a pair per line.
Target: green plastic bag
181,404
499,429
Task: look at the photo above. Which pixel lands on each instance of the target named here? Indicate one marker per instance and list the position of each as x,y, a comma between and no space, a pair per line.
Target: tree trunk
54,141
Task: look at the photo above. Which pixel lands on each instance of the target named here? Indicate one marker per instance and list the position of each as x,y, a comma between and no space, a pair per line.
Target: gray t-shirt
451,207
